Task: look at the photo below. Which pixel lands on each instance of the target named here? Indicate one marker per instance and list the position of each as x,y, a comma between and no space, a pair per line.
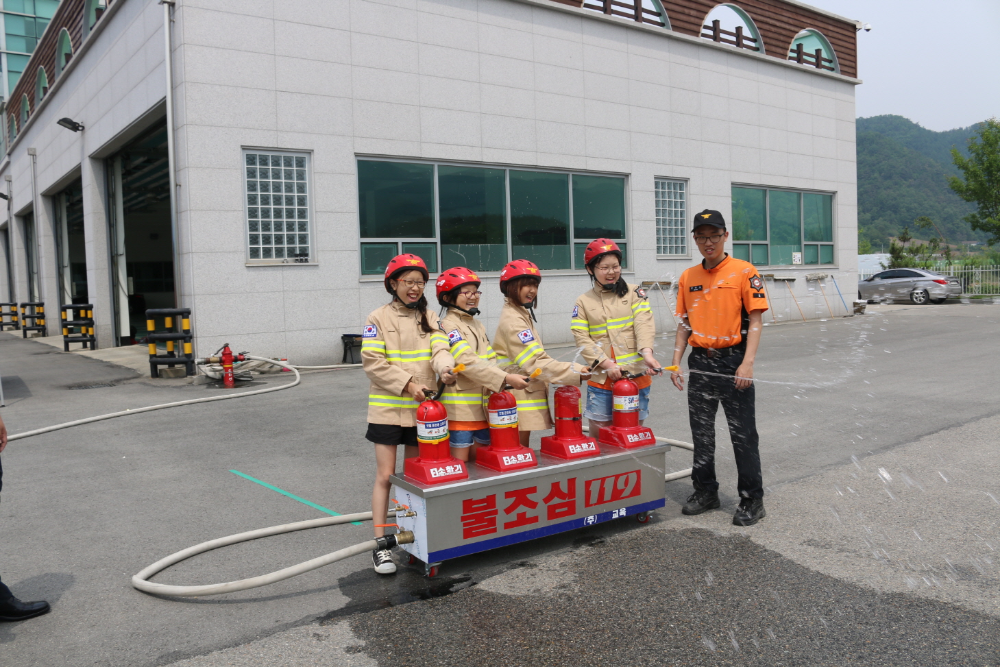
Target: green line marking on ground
291,495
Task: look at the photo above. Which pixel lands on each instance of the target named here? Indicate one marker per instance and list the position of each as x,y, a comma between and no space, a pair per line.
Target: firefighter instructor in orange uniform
721,303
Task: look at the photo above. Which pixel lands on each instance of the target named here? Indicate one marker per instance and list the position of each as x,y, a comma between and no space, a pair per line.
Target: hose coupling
406,514
389,541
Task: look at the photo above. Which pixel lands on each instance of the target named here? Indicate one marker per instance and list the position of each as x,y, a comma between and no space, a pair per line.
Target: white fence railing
976,280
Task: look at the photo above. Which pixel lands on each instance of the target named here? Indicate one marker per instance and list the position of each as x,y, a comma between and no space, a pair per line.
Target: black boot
13,609
701,501
750,511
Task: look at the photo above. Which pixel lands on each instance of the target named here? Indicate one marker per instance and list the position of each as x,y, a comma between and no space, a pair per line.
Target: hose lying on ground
175,404
671,476
140,580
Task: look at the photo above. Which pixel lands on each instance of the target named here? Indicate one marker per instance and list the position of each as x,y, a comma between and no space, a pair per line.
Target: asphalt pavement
878,444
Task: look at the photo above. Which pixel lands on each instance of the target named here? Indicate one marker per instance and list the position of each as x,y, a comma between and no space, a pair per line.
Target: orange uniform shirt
714,301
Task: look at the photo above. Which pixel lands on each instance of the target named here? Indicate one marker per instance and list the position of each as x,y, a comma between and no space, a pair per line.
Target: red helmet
517,268
600,247
404,262
456,277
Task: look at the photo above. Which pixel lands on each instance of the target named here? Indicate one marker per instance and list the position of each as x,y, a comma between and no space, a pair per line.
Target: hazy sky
933,61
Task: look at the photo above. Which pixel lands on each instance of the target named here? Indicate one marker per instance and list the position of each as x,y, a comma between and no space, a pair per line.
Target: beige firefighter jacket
520,350
395,350
470,346
603,321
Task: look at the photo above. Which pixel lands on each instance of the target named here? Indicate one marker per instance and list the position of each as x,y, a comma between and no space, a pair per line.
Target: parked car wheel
919,296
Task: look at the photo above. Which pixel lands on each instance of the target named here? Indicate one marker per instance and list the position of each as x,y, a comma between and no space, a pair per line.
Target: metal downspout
11,255
35,209
171,159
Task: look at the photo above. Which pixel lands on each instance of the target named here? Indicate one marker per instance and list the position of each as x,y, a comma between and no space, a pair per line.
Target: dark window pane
252,200
303,226
473,206
251,160
265,186
252,212
426,252
279,239
396,199
300,162
287,161
758,255
810,254
375,257
826,254
275,160
300,188
279,253
580,248
749,215
251,172
254,226
539,211
251,186
265,239
255,239
598,207
817,213
741,251
300,175
254,253
265,226
786,226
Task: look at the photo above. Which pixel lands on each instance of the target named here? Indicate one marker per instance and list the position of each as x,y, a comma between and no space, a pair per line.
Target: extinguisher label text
520,458
613,488
506,417
626,403
585,447
639,437
443,471
433,431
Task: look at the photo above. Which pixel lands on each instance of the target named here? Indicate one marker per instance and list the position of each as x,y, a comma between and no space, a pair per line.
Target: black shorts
388,434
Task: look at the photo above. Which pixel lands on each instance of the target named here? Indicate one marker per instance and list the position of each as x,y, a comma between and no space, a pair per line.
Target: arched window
41,85
95,9
25,109
728,24
811,48
64,51
11,130
641,11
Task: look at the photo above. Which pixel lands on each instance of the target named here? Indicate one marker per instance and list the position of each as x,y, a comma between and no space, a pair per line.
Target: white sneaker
382,560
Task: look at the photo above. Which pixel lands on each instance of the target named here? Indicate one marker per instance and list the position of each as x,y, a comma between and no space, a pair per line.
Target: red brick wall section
69,15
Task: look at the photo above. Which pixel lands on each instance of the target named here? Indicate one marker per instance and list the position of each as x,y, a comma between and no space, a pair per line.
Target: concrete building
312,140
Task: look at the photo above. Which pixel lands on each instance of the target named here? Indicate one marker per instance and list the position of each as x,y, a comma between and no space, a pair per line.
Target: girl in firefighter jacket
613,325
520,348
458,293
402,348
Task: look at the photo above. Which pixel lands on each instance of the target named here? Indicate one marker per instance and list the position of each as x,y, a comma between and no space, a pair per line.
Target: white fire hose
140,580
193,401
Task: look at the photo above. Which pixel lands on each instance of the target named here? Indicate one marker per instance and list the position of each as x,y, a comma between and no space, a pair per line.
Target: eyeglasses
413,283
468,294
610,269
714,238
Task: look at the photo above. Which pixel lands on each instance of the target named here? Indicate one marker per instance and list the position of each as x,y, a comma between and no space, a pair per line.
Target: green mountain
902,175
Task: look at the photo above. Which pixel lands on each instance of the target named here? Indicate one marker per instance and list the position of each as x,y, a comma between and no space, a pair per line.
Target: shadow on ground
681,597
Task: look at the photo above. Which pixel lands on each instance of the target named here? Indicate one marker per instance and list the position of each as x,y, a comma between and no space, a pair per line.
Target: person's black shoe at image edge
12,609
701,501
750,511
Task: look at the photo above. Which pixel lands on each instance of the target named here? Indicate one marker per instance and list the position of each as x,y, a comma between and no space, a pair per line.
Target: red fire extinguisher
434,464
625,430
505,452
569,442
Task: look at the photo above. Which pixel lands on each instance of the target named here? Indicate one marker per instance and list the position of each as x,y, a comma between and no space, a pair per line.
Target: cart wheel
642,517
432,571
411,560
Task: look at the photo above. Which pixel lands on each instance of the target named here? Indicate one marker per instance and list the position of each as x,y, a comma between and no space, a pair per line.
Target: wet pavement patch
687,597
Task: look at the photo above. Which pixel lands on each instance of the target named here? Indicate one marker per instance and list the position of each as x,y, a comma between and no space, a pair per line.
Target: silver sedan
917,285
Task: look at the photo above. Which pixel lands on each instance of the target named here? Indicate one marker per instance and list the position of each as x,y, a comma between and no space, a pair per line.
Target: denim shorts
600,404
461,439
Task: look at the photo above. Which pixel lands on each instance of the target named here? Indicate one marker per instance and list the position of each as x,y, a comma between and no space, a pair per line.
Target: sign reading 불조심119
488,511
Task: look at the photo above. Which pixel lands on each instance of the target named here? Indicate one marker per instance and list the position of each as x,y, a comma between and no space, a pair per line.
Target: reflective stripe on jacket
520,350
470,346
603,321
395,350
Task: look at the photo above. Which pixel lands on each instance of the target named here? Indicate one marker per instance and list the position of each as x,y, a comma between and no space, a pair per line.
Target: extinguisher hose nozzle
389,541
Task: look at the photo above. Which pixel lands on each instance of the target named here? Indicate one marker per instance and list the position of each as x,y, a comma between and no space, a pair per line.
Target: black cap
709,217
